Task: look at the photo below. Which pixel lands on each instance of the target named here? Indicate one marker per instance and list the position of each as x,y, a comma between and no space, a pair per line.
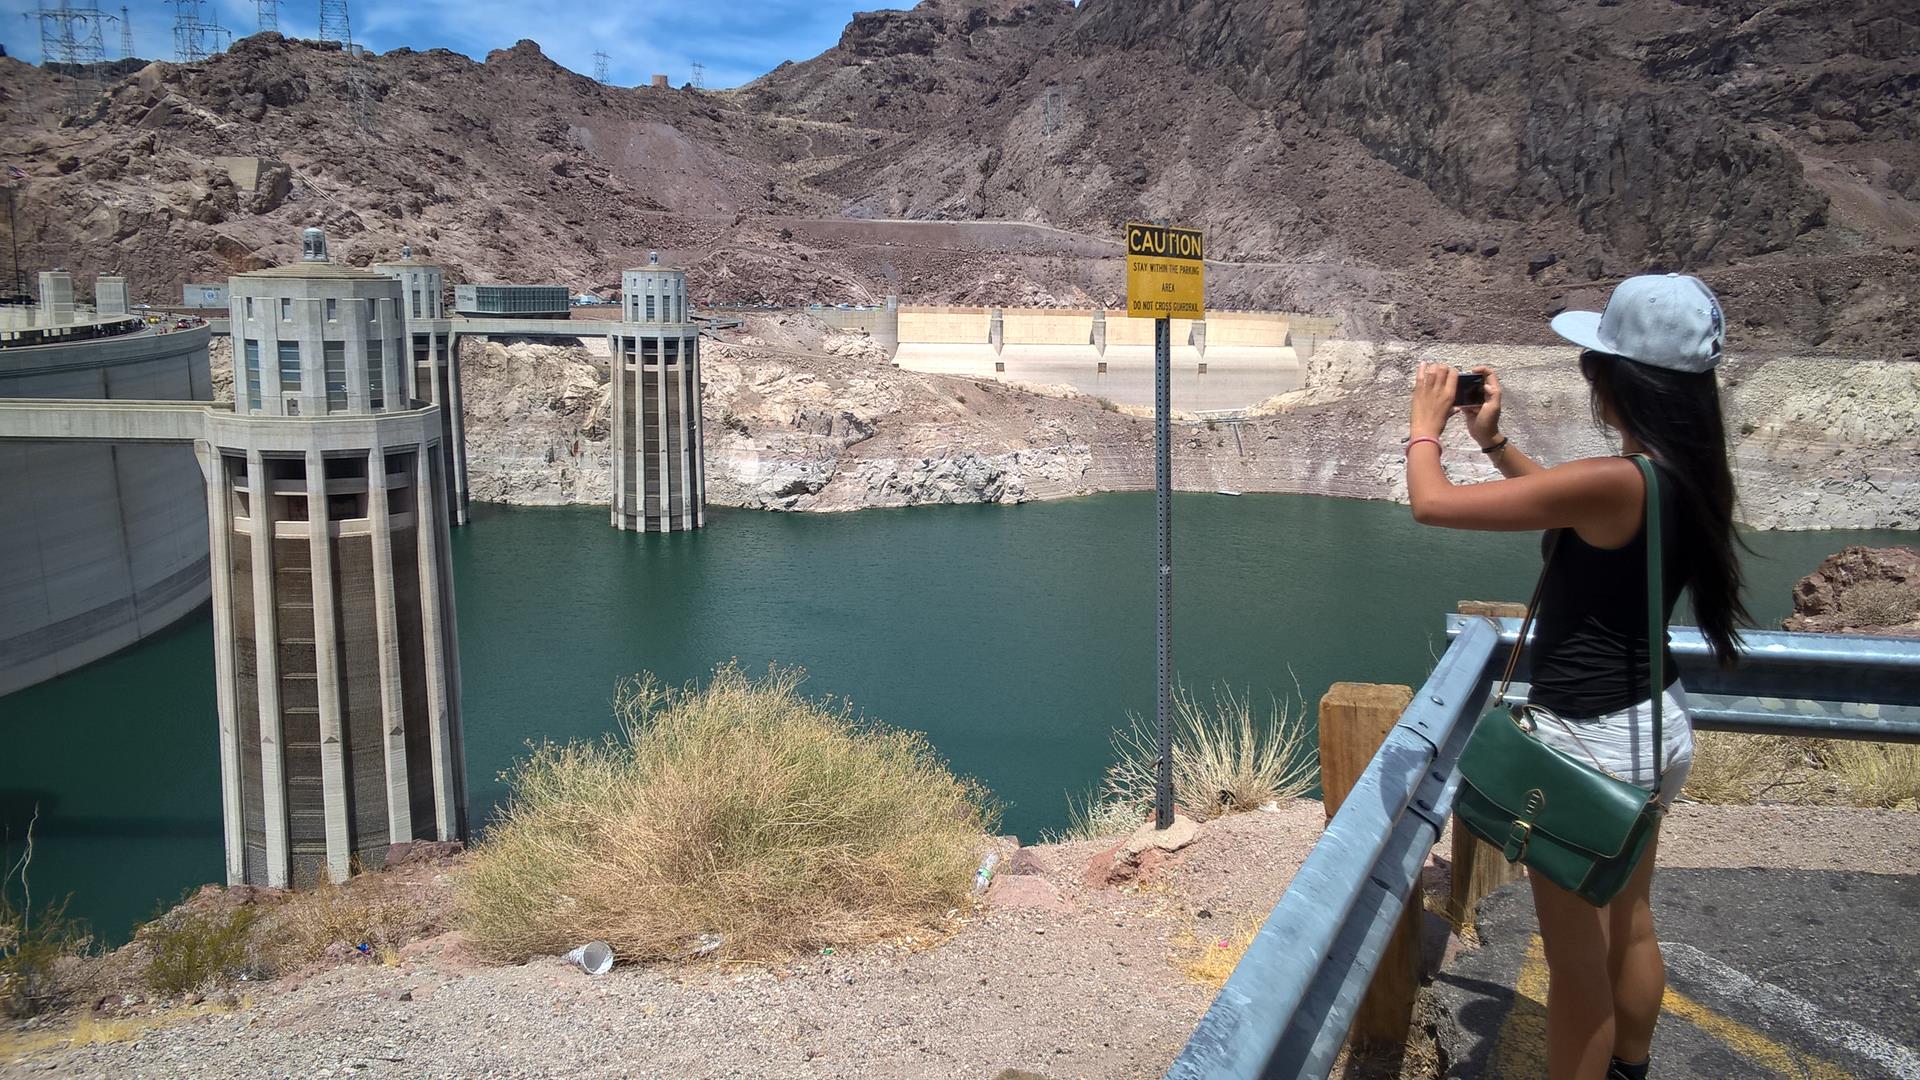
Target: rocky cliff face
1453,170
1861,590
1510,111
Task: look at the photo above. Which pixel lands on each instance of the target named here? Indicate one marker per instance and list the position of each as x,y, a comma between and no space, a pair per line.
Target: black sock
1620,1070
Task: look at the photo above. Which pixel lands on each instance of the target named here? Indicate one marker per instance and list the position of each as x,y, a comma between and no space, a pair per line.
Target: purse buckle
1516,845
1515,848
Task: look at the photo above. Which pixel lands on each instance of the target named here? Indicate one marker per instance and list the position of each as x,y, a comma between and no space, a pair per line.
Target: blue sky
737,40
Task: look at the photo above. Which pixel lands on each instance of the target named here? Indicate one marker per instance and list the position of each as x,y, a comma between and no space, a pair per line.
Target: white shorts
1621,743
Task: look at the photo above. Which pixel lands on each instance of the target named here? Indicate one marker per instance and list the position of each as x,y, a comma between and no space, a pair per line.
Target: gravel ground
1052,976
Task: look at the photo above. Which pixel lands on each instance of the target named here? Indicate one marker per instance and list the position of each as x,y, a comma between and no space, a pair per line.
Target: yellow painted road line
1749,1043
1520,1053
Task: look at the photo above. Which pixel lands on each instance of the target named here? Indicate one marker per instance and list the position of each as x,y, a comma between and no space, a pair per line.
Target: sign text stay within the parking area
1166,272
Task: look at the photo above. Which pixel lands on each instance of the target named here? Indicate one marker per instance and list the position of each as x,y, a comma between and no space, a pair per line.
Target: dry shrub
742,811
1225,758
1881,603
188,949
1736,768
37,944
1876,774
308,922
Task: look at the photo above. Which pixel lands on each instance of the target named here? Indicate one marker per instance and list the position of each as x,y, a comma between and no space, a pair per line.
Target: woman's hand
1433,389
1483,421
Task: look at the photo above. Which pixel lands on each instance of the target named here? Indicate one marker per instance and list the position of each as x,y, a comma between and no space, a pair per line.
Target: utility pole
126,34
699,75
600,72
268,13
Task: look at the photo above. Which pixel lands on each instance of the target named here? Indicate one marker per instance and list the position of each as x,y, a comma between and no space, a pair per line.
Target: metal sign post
1166,276
1163,510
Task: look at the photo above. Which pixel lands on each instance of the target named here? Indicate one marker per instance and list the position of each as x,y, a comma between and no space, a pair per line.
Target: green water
1014,636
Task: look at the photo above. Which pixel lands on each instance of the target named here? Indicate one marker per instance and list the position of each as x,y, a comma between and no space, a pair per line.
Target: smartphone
1471,389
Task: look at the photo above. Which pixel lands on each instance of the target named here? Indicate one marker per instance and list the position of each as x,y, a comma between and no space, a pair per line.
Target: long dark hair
1676,416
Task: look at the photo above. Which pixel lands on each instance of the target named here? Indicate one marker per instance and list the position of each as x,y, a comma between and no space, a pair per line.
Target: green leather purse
1583,829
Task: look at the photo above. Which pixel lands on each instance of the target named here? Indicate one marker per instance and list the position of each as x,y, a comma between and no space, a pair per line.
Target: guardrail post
1354,720
1478,869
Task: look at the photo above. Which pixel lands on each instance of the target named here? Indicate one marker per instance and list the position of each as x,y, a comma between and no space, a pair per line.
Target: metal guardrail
1285,1011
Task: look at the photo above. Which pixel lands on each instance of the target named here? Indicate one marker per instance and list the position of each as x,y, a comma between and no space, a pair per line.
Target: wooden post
1478,869
1354,720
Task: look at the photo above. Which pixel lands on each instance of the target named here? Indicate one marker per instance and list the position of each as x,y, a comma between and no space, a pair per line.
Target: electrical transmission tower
600,74
269,13
334,25
126,34
699,75
72,38
195,38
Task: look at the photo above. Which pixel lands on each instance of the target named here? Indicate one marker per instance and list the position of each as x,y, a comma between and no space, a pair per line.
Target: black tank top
1589,650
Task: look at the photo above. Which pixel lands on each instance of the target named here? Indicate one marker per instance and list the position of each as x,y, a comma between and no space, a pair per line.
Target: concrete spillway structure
434,373
659,467
1231,360
334,637
100,545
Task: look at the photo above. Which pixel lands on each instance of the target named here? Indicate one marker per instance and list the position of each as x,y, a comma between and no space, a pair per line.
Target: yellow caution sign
1166,272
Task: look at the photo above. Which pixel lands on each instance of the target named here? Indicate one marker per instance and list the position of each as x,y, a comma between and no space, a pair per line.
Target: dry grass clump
1208,959
1226,759
1876,774
1737,769
741,820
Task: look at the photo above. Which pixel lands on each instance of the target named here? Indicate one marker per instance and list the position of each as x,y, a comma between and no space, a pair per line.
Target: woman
1649,360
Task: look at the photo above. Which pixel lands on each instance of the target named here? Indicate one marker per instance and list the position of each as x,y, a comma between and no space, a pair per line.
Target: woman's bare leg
1638,973
1580,1027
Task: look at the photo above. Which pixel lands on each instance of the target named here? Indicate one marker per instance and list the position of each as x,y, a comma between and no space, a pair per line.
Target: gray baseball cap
1662,320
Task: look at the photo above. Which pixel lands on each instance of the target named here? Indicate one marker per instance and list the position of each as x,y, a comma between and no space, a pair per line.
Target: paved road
1813,975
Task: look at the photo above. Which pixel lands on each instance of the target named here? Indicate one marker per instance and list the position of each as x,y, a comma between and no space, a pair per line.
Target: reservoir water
1016,637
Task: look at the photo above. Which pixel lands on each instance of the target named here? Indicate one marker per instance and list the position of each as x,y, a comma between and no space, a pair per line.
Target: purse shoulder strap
1656,615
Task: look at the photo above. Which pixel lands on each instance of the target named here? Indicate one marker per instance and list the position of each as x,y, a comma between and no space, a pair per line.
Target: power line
268,12
600,74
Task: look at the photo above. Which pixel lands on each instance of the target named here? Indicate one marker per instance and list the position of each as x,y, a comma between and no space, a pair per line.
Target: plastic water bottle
984,876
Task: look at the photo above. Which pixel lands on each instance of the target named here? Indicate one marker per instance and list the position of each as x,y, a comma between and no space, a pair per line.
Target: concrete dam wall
100,545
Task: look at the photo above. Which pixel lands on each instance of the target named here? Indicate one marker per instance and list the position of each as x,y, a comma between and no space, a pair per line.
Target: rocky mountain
1423,169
